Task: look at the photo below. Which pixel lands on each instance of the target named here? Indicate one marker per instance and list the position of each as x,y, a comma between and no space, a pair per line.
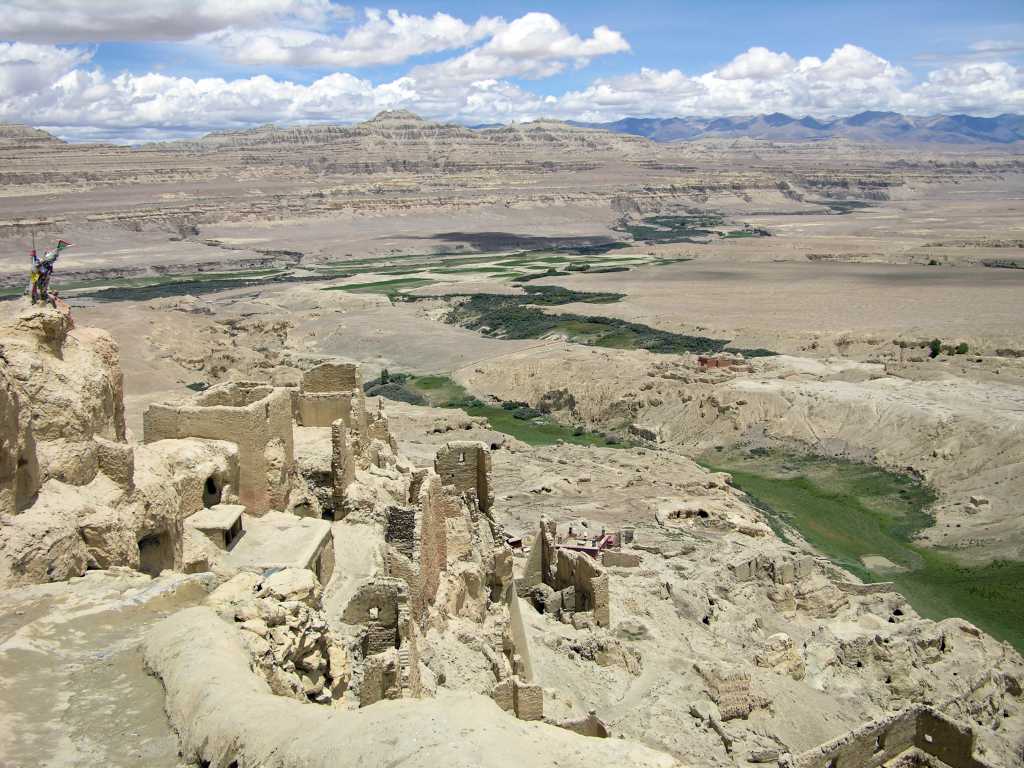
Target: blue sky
127,70
691,36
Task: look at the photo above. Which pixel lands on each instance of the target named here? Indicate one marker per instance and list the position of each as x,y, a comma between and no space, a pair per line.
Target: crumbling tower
329,392
466,465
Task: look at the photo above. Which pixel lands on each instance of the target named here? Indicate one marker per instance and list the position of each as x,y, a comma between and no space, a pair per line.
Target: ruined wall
616,559
466,465
583,580
343,466
388,641
876,743
378,428
116,461
321,410
533,573
416,538
461,536
402,536
944,738
433,554
520,637
329,392
257,418
523,699
332,377
729,686
780,569
377,605
322,563
382,678
589,580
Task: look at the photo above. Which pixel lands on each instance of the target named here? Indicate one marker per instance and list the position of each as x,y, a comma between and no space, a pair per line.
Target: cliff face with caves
70,496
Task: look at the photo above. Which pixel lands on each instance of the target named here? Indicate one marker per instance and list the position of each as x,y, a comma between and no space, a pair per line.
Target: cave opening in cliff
212,491
156,553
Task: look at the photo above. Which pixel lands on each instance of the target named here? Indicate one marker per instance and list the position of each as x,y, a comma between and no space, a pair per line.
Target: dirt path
73,690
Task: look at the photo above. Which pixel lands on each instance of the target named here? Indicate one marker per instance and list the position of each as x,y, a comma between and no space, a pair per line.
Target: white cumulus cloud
533,46
979,88
851,79
384,38
757,64
82,21
57,87
26,68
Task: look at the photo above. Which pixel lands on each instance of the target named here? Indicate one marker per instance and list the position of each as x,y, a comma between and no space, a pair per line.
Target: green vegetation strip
516,419
142,286
146,288
516,317
848,510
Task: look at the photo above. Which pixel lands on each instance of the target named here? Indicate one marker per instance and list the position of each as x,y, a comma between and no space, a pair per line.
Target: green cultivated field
503,263
848,510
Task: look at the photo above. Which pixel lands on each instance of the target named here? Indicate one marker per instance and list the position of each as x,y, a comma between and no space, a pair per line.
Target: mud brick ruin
466,466
254,417
918,736
578,582
312,623
329,392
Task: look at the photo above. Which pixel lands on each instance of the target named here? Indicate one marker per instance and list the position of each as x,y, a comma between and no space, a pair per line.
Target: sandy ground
787,306
167,344
73,690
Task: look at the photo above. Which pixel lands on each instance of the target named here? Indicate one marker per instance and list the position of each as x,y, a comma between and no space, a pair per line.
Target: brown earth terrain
426,595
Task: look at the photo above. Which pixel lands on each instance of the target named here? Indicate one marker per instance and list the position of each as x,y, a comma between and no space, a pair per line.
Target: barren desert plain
786,377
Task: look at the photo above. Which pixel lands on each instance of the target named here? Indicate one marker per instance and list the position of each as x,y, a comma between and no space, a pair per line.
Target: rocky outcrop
71,379
19,467
17,136
283,626
74,494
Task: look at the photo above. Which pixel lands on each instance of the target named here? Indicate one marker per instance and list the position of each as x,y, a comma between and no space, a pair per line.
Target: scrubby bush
934,348
398,392
466,401
962,348
526,413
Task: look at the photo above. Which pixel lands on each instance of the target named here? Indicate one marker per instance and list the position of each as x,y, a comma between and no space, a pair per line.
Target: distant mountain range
866,126
402,127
